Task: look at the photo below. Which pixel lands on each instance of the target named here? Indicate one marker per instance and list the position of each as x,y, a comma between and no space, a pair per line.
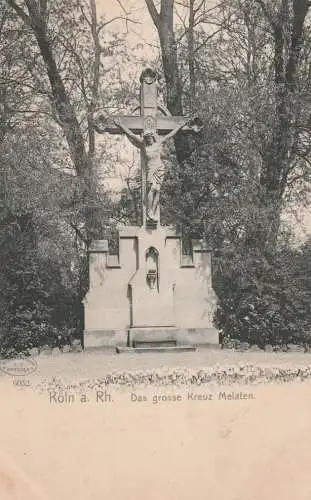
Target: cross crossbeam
136,124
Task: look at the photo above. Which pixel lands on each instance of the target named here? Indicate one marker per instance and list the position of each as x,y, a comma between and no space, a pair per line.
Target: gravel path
203,366
91,364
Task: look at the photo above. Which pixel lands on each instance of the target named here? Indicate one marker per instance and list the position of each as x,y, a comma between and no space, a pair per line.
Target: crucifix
148,131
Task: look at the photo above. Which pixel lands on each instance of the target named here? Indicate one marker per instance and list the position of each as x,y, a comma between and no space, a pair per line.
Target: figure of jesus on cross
148,132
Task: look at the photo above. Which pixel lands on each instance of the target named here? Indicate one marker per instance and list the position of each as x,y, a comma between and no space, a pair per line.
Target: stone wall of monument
121,296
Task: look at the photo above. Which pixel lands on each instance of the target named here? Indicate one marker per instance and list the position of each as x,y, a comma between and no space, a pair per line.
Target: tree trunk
164,24
96,78
191,55
276,159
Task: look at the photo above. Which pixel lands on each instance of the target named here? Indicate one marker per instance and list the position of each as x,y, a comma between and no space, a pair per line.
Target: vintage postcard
155,276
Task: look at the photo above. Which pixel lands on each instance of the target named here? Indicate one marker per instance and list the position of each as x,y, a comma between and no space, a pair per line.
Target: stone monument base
150,293
173,336
153,337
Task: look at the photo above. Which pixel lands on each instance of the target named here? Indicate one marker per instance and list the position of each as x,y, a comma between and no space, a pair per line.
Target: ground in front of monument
98,362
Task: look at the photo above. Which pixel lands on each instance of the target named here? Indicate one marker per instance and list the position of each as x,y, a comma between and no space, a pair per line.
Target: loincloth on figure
155,166
155,177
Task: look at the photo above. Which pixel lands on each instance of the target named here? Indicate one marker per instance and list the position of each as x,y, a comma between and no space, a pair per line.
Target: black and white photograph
155,249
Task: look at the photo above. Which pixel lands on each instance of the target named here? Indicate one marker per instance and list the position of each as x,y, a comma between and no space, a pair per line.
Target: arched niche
152,268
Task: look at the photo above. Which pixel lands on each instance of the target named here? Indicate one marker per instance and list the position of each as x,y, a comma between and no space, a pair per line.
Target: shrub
266,302
37,306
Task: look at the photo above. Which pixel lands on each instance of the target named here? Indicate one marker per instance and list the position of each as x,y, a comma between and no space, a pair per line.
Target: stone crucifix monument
149,294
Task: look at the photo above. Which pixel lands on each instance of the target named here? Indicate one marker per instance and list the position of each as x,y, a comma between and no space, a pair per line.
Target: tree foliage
51,201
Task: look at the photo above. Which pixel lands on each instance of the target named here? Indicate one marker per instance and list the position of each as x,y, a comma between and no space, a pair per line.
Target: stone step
154,343
155,348
161,336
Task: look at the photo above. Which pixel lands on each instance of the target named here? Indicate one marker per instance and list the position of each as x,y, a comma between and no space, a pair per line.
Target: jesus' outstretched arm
173,132
197,125
133,138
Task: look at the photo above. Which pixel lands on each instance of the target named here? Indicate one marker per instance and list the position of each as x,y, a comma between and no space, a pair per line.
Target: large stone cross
153,117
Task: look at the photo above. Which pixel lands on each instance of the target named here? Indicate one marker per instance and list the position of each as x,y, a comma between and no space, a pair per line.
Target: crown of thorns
149,132
148,74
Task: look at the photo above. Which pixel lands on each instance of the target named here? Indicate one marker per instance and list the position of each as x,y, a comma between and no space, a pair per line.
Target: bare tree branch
116,18
89,22
198,8
191,66
206,40
268,15
79,233
294,179
155,16
43,8
96,78
122,7
300,8
22,14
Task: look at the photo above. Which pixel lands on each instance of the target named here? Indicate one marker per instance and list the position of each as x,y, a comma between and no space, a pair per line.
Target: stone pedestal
149,293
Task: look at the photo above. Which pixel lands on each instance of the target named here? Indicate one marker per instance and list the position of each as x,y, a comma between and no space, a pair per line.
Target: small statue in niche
152,268
152,279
